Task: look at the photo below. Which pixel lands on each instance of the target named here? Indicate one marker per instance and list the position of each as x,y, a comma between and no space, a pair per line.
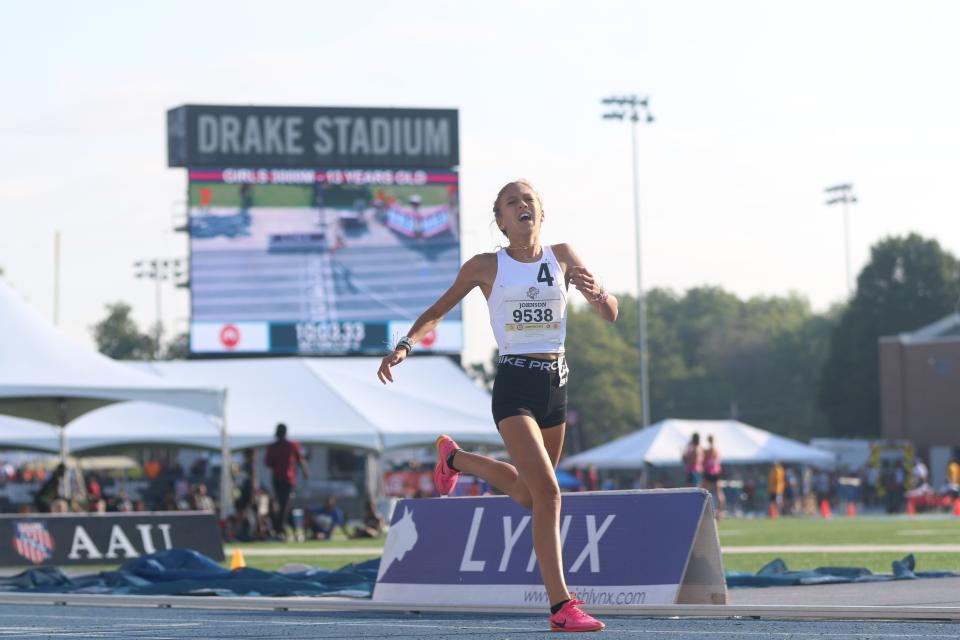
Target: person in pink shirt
712,470
693,461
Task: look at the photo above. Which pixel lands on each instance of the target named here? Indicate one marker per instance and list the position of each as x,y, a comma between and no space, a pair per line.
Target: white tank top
528,305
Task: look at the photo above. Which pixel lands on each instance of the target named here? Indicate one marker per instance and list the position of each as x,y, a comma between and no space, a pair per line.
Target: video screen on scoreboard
320,261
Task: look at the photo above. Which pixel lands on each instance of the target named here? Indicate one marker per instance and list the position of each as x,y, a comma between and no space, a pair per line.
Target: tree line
770,361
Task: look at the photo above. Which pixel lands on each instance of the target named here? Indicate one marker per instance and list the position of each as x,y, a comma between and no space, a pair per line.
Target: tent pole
375,476
226,477
64,450
375,489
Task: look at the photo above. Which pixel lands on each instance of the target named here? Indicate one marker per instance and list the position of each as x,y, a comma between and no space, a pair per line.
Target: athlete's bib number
532,316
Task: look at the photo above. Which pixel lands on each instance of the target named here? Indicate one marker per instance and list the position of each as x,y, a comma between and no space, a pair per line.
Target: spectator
373,524
712,470
50,492
182,494
327,518
953,478
822,486
900,486
777,484
95,501
122,502
693,461
791,491
169,500
870,476
264,524
202,500
245,504
198,470
920,473
282,456
152,468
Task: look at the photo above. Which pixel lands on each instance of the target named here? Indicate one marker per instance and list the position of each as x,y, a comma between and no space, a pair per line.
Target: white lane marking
923,532
22,632
822,635
847,548
332,551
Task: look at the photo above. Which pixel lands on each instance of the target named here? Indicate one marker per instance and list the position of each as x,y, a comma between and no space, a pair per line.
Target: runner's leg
527,446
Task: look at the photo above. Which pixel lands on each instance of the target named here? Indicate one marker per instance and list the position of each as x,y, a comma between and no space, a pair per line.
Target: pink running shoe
445,478
571,618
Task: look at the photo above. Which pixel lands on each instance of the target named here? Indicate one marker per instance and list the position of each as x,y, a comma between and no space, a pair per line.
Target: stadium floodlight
158,270
843,194
633,108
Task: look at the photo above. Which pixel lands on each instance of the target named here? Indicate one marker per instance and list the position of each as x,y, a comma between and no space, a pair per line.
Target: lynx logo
533,292
511,535
403,537
32,541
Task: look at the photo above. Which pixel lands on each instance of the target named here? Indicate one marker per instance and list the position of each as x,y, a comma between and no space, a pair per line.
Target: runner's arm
603,303
470,276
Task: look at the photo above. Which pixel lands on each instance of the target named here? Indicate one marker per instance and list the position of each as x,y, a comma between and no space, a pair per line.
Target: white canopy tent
431,395
328,401
662,444
28,435
325,401
46,376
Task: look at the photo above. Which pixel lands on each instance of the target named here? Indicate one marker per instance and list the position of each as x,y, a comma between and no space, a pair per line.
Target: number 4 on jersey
544,274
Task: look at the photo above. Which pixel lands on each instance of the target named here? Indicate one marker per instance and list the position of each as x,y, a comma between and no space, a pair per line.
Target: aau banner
71,539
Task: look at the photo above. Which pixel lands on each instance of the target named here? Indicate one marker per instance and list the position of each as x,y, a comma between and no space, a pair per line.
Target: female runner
525,284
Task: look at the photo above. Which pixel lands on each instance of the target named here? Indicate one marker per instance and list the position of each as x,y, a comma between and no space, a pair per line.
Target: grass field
841,530
734,533
746,532
887,530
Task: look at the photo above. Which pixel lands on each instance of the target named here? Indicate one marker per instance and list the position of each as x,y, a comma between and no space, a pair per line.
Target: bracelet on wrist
404,343
601,296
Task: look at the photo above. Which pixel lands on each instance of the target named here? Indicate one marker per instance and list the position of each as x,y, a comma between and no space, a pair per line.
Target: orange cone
956,506
237,561
851,510
911,510
825,508
773,513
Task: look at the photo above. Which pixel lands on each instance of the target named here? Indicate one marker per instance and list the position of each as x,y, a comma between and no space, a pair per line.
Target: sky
758,107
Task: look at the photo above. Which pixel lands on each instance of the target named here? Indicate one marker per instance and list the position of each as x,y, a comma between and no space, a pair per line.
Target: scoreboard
288,258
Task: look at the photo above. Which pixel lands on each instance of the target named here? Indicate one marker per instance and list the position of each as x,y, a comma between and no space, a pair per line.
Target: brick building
920,390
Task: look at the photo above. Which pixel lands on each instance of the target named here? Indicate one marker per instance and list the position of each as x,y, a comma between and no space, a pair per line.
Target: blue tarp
776,574
179,572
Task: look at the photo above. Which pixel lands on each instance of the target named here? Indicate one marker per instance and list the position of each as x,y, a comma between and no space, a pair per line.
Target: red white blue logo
32,541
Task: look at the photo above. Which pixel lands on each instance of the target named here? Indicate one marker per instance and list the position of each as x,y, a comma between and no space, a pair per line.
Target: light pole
843,193
634,108
159,269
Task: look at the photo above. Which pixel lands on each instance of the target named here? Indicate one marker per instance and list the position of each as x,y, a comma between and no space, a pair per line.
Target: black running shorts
531,387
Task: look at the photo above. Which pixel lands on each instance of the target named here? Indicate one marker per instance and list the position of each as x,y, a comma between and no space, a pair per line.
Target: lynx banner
620,548
110,538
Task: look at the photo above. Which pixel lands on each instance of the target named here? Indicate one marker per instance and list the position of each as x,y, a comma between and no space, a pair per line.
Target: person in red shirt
281,457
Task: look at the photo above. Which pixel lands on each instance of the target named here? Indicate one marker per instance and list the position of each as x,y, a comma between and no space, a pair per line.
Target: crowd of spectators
265,510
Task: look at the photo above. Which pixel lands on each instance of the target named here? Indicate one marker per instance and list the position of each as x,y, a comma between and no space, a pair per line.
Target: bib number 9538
533,315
